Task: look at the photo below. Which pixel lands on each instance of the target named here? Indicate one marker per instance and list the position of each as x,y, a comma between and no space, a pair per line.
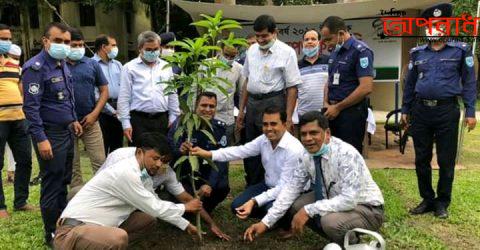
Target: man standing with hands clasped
438,73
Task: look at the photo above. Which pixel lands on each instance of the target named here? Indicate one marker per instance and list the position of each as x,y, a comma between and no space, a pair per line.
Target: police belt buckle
429,103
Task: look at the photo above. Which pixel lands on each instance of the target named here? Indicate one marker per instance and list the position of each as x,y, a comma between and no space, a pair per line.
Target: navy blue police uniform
435,81
49,108
351,62
217,180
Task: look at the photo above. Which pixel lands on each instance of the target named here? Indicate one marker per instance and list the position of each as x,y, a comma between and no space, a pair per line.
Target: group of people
299,172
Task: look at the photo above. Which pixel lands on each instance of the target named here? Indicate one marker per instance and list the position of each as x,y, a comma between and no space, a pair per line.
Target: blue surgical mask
310,52
59,51
338,46
268,45
5,46
324,149
144,174
76,54
151,56
113,53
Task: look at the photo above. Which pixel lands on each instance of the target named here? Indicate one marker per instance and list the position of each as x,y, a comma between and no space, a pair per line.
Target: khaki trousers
93,140
334,226
91,236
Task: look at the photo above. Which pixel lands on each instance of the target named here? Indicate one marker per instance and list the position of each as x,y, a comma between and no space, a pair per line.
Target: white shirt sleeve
173,186
124,98
287,171
134,193
173,104
238,152
292,73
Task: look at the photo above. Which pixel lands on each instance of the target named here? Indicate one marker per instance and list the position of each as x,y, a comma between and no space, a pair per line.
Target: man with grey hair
142,104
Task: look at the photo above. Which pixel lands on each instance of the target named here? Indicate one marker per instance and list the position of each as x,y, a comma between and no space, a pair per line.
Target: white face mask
435,35
167,52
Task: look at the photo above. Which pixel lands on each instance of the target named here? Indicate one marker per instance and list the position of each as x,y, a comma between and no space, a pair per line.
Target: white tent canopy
303,13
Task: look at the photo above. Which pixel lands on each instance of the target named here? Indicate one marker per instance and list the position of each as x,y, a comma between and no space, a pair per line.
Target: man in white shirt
344,194
142,104
272,77
279,151
225,103
119,204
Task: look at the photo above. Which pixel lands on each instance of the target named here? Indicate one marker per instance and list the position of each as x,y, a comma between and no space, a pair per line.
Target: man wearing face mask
87,76
314,71
119,205
168,50
272,77
13,126
439,73
142,104
225,103
50,109
343,197
106,51
350,82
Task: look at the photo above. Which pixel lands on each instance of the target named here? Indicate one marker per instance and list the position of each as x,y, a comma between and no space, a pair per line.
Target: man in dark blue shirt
438,73
50,109
87,76
350,81
212,184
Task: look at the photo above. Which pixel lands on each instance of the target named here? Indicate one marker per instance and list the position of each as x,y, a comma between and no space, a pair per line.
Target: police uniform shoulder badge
36,66
364,62
33,88
469,61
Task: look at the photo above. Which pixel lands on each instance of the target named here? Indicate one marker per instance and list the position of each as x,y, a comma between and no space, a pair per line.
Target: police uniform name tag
336,79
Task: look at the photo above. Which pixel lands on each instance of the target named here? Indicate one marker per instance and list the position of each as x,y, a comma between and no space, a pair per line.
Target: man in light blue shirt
143,105
106,51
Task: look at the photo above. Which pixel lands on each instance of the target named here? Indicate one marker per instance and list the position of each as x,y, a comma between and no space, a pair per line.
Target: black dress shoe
49,240
441,212
422,208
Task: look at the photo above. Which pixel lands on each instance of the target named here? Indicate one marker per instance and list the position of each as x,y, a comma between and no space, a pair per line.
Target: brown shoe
26,208
4,214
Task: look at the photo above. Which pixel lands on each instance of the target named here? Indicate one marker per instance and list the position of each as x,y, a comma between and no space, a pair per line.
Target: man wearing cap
87,76
439,72
50,110
106,51
143,106
168,50
13,127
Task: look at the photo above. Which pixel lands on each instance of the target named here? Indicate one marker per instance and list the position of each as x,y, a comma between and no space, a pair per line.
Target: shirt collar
284,141
347,44
51,62
96,57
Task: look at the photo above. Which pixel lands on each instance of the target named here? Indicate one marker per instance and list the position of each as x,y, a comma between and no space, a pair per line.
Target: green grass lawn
401,231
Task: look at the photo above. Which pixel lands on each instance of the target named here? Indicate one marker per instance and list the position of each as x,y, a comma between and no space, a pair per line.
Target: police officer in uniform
438,73
212,184
350,70
49,108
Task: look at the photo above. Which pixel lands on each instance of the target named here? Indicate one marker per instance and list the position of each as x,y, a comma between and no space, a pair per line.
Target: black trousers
349,125
254,171
112,132
143,123
438,123
15,133
56,175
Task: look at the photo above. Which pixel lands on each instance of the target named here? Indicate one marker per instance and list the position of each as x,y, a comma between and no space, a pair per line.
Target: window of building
10,15
33,16
87,14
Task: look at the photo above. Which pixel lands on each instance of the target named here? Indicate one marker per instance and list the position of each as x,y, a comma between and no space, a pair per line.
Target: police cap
439,10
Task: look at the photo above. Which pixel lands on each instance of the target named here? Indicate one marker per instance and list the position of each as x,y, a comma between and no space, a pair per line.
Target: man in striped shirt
314,73
13,128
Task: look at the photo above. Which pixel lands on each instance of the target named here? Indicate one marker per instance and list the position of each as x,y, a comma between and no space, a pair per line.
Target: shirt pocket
449,67
270,70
